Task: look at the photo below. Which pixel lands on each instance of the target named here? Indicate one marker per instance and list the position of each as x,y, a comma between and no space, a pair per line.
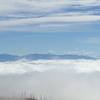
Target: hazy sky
58,26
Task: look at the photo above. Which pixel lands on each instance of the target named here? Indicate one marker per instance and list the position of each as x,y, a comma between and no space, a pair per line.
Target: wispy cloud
31,12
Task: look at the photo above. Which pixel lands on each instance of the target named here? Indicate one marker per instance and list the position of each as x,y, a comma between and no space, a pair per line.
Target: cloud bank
51,79
24,67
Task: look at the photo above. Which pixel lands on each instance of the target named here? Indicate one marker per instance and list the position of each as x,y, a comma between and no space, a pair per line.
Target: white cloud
47,20
56,80
19,13
21,67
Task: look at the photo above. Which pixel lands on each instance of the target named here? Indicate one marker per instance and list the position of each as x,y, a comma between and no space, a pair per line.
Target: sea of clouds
51,79
22,66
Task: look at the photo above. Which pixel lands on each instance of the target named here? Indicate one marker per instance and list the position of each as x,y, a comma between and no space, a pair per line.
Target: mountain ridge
37,56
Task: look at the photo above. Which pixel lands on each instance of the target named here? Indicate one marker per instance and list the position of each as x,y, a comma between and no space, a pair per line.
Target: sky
50,26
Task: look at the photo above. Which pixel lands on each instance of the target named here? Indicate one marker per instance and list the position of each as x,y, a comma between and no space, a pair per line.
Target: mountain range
9,57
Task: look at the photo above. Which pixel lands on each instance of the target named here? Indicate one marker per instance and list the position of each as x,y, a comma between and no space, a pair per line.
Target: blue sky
55,26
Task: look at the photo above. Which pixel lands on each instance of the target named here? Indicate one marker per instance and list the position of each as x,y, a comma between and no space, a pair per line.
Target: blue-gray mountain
8,57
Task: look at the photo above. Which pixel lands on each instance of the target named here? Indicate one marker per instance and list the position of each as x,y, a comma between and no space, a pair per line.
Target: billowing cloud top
16,13
56,80
24,67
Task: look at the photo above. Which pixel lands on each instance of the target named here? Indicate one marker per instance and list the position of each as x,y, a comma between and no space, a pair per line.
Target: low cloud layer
24,67
51,79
